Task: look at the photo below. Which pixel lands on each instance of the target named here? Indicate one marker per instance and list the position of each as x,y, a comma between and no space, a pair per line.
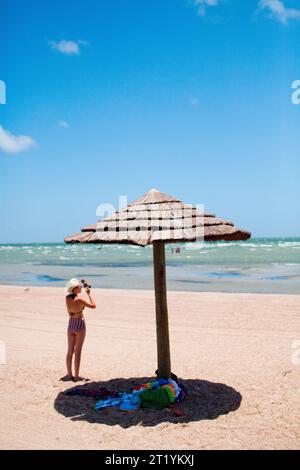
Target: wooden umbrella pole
162,326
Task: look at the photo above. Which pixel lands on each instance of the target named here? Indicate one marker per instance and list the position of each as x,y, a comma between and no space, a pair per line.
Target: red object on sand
177,411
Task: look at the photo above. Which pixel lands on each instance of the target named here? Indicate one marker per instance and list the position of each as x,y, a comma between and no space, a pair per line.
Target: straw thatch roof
155,216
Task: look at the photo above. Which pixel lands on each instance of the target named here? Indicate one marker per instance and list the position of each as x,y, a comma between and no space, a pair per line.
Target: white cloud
67,47
14,144
279,11
64,124
194,101
209,3
203,4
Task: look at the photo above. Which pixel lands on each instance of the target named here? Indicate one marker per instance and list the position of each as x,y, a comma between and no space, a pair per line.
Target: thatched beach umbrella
155,219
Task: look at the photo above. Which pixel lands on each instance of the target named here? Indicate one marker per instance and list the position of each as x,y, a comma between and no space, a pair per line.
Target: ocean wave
289,244
223,244
247,245
266,245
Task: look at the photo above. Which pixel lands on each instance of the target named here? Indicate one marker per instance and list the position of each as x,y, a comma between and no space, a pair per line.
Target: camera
85,284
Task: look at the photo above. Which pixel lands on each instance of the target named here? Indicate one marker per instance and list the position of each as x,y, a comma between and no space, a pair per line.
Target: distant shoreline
255,266
132,290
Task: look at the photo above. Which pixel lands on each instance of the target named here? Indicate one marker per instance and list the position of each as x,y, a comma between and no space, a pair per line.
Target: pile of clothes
158,394
97,394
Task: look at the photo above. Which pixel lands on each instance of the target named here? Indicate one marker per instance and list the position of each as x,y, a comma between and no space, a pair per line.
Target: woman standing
76,328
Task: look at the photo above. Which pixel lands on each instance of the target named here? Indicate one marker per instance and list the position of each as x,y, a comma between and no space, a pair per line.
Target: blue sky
105,98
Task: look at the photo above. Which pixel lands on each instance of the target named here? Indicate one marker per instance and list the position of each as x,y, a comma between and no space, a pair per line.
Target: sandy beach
233,352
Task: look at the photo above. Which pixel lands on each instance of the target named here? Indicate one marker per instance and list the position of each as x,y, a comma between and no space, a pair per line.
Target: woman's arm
91,303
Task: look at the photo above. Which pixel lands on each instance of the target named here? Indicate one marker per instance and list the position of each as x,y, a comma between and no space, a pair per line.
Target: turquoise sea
262,265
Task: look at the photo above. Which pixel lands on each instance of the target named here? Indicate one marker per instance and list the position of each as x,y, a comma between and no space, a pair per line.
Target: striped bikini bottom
76,325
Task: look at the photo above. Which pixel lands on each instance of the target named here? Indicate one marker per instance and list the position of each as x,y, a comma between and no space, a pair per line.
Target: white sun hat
71,285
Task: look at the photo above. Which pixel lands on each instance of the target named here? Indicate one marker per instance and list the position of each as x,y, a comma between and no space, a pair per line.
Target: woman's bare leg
78,347
71,347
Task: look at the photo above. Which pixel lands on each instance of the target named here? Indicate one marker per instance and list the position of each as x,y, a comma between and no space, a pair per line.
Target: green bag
158,399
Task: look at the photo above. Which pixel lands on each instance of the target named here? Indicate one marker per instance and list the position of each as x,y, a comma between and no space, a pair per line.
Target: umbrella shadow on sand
204,400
